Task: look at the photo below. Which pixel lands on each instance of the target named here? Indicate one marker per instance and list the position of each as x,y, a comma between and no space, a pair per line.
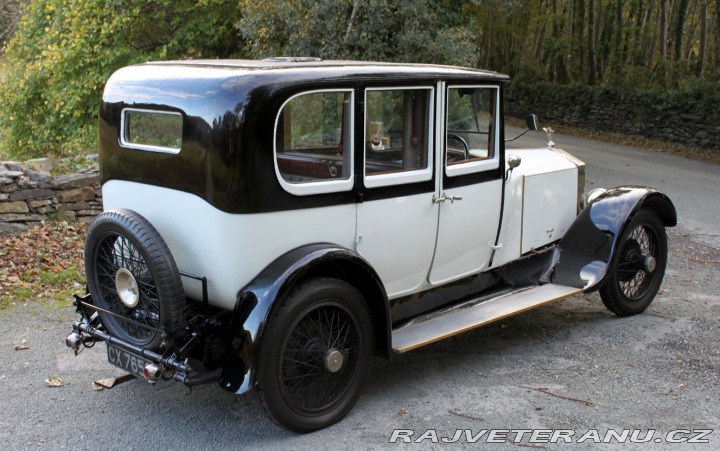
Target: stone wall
29,195
690,118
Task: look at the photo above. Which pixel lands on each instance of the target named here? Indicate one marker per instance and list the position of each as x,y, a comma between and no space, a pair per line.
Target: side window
397,136
313,142
470,127
154,131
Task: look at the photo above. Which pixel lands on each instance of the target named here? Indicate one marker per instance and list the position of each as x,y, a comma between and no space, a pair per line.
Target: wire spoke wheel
131,274
636,272
319,358
638,267
319,355
126,286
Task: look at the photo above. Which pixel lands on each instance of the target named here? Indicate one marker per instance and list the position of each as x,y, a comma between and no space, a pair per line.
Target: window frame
472,167
402,177
125,142
328,185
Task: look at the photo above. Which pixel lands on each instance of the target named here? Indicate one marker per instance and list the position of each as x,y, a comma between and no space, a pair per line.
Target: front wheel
317,355
638,266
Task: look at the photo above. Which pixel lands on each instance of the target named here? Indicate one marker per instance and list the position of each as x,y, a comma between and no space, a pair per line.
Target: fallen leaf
112,382
402,411
21,347
54,381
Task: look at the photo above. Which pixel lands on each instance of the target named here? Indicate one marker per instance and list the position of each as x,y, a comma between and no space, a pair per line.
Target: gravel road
569,365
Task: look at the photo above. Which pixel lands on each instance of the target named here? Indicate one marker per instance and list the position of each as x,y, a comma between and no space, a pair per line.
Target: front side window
313,142
397,135
470,127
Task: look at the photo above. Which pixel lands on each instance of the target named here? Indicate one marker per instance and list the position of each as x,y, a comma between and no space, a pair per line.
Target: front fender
257,299
589,245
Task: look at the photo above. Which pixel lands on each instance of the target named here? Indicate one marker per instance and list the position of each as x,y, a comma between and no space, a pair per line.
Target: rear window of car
154,131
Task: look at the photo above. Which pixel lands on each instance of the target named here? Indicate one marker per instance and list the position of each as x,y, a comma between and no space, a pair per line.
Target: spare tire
132,275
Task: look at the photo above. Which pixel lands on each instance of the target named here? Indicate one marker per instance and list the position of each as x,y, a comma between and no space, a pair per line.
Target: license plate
132,363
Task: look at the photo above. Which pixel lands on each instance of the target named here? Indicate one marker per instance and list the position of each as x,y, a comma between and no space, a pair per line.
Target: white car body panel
397,237
540,203
221,246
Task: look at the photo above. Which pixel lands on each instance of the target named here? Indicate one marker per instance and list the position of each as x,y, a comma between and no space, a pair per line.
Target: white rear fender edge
211,243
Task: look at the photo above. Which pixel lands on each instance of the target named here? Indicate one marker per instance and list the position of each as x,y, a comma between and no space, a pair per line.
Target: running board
472,314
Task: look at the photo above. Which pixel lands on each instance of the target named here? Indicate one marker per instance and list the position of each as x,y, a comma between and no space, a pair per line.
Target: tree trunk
682,11
592,76
663,31
702,57
579,33
619,51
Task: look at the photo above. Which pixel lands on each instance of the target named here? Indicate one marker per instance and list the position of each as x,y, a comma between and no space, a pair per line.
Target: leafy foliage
375,30
65,50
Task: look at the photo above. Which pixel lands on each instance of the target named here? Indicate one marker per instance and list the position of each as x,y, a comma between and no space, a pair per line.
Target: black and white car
272,225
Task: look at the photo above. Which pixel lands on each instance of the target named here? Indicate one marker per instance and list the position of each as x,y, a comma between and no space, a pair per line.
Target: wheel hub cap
649,264
333,361
127,288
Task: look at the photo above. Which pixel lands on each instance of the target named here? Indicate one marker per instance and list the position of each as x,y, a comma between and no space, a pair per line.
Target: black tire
317,354
638,266
131,272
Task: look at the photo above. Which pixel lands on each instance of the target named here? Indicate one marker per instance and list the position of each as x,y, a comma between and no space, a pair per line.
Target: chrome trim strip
581,177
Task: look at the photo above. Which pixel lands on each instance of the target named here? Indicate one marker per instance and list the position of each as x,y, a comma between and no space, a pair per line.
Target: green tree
377,30
64,51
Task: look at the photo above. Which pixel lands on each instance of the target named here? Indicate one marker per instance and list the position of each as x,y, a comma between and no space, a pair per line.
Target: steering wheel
466,148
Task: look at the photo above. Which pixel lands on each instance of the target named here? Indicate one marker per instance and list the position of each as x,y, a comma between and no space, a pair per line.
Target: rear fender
589,245
255,302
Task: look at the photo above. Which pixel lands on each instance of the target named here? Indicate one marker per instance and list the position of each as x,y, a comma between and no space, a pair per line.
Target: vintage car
273,225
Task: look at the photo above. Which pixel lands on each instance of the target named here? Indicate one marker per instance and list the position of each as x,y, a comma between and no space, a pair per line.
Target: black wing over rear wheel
317,355
132,274
638,266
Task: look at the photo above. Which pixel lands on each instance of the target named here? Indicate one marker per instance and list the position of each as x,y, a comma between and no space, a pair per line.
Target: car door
397,220
470,177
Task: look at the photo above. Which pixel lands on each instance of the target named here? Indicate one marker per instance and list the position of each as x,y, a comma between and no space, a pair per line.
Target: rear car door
397,220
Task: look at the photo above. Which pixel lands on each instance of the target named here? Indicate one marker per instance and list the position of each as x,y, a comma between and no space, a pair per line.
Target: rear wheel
316,355
132,275
638,266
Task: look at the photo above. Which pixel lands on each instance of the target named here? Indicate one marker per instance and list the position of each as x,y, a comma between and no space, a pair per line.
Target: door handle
444,197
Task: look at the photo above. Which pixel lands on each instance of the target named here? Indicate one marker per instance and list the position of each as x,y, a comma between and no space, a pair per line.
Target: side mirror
532,122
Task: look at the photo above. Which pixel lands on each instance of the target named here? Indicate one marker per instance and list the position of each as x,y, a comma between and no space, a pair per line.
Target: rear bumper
172,364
